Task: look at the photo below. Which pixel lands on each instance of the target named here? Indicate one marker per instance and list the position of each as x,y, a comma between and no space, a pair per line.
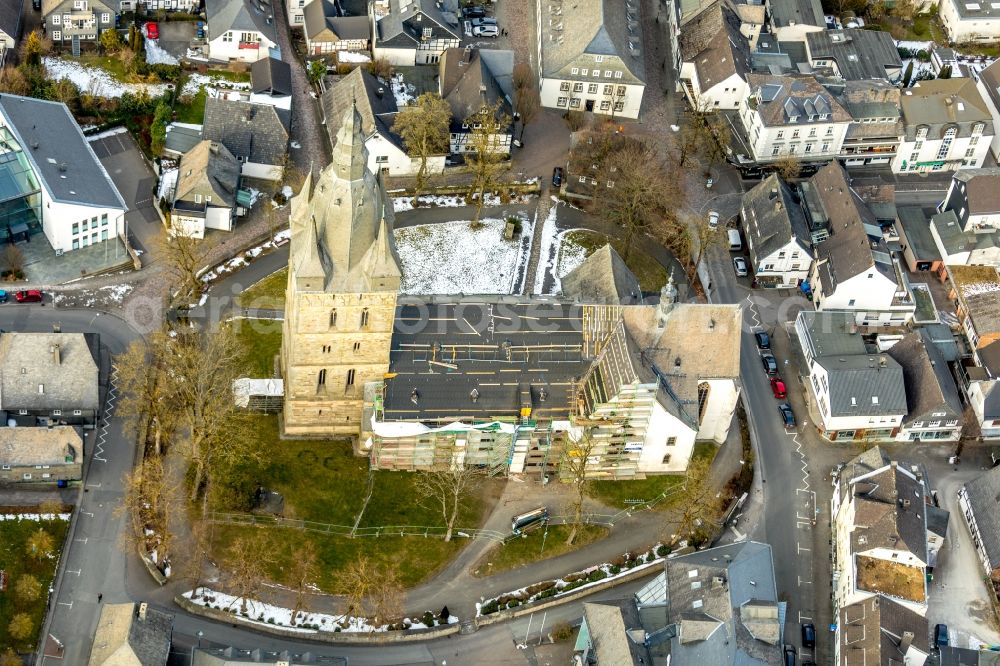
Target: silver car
740,266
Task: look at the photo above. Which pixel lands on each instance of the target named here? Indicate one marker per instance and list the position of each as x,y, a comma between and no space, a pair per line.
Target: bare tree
40,545
706,136
10,658
788,167
13,81
487,157
446,489
574,466
21,627
14,258
147,390
700,504
305,569
198,546
150,498
526,98
372,592
27,589
247,563
423,127
381,68
184,257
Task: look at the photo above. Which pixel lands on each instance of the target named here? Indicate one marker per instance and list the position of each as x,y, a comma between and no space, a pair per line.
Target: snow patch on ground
105,134
351,56
402,91
401,204
913,46
980,288
34,516
95,80
454,258
267,614
88,298
230,265
570,256
286,191
213,83
547,252
168,181
156,55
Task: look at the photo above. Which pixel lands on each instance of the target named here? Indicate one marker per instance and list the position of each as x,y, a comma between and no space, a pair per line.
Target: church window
364,317
703,391
321,382
357,347
350,377
333,317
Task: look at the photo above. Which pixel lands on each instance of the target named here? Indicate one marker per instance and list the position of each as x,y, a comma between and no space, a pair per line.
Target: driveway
176,36
134,178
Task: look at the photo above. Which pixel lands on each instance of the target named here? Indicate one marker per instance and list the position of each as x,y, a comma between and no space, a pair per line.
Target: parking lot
135,179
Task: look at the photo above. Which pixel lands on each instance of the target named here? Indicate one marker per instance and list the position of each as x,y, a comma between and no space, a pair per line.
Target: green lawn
113,66
14,535
268,294
262,341
651,275
323,481
191,109
536,545
618,494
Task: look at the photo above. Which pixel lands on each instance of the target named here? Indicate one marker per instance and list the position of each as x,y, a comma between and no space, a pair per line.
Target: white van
735,244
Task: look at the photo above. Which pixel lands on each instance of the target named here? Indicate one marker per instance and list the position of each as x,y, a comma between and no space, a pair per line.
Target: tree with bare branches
305,569
198,547
526,98
381,68
574,466
21,627
246,563
150,498
373,592
446,489
40,545
27,588
788,167
701,504
705,136
487,157
423,127
183,257
14,258
147,390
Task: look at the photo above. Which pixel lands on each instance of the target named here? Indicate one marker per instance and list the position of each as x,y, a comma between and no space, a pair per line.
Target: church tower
343,278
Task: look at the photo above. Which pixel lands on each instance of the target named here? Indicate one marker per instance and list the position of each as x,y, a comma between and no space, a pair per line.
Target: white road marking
83,540
800,548
109,407
77,572
804,582
87,513
63,603
803,617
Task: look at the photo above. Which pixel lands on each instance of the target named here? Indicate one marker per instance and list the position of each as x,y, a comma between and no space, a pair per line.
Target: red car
152,30
29,296
778,388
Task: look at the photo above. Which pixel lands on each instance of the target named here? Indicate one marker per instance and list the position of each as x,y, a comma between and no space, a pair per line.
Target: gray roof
930,387
774,220
40,446
725,606
982,189
872,630
865,385
258,132
372,98
943,338
61,156
713,42
10,18
860,54
615,632
473,78
990,78
603,277
937,520
832,333
941,103
976,10
984,502
272,76
916,228
123,637
796,12
956,656
182,139
954,240
591,28
209,170
321,15
28,361
785,96
403,26
240,15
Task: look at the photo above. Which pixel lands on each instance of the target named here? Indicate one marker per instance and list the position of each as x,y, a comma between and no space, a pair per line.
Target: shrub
650,556
615,570
513,603
618,561
428,618
540,587
551,592
572,577
562,631
596,575
662,551
489,607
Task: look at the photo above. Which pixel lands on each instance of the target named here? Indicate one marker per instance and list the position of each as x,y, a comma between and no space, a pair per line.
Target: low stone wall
150,567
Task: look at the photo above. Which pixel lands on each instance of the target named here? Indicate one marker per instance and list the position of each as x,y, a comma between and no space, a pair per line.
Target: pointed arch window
333,317
703,393
364,318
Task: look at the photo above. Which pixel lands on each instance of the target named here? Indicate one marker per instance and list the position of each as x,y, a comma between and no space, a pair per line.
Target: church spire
350,154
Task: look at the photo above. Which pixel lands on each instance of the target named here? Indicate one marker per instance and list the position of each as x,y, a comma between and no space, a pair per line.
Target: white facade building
239,31
777,234
970,20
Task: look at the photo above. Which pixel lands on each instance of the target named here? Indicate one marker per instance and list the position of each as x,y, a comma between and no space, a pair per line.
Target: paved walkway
542,209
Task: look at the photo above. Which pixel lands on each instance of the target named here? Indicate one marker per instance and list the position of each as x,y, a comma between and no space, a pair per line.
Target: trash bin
61,483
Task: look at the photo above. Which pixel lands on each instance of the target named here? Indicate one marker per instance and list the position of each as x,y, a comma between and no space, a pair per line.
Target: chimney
56,356
379,92
143,607
904,644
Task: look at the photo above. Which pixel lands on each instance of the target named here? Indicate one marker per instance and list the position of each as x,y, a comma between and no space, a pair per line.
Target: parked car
474,12
763,339
485,31
709,183
713,219
486,20
557,177
778,388
28,296
3,296
941,635
789,655
770,365
808,634
787,415
152,30
740,266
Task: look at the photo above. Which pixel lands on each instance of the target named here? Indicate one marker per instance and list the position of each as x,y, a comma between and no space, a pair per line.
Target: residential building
131,634
943,58
853,269
49,379
611,633
256,134
414,32
857,392
590,57
878,630
979,500
377,106
792,20
975,291
56,184
716,58
207,190
965,21
935,408
855,55
470,80
752,21
918,245
296,12
69,22
876,124
880,532
328,32
777,234
791,115
271,83
988,85
241,30
947,126
46,455
964,248
10,27
974,195
721,606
